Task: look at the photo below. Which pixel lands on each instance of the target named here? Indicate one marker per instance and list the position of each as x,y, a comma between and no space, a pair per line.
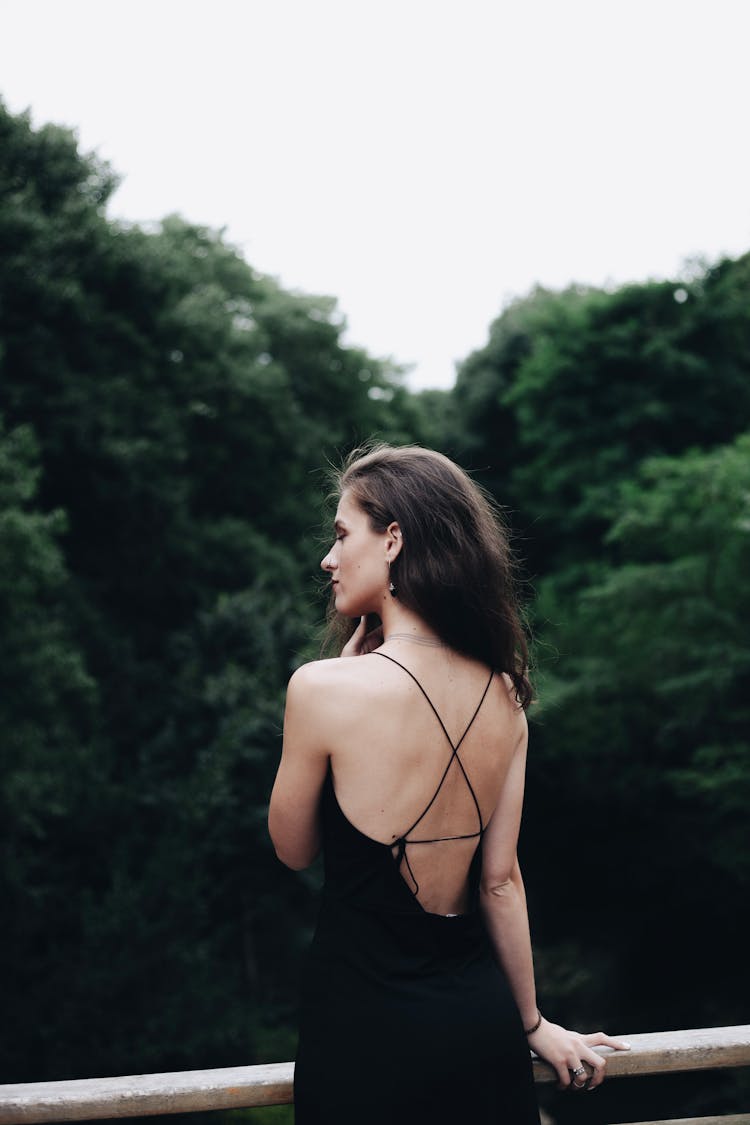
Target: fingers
590,1072
598,1063
596,1067
600,1039
354,644
372,640
361,642
563,1075
572,1072
578,1066
585,1072
582,1077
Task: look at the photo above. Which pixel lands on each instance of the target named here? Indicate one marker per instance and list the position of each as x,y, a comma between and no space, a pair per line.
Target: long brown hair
455,569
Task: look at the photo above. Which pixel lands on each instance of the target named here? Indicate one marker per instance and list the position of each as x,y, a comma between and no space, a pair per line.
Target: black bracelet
536,1026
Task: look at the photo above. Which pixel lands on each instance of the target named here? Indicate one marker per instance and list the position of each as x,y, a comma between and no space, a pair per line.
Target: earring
391,587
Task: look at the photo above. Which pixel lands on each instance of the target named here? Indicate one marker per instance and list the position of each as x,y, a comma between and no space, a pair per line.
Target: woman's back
420,741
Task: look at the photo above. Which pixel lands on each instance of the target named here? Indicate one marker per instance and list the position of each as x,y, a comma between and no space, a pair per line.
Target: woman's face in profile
357,561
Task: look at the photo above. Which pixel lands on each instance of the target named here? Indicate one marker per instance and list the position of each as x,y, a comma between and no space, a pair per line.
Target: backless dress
406,1016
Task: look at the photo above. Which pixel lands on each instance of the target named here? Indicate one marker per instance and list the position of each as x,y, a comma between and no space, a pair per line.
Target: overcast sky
422,161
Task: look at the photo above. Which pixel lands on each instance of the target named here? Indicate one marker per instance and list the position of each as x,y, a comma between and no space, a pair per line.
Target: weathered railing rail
140,1095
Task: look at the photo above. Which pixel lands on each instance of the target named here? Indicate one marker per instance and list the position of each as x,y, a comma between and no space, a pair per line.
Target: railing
237,1087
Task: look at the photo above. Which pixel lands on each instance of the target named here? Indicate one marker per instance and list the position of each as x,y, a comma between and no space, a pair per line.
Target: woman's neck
401,624
431,641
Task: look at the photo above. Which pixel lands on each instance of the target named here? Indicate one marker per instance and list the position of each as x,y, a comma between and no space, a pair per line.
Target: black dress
406,1016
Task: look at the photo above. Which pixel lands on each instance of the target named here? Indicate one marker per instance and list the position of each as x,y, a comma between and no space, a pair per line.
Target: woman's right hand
361,642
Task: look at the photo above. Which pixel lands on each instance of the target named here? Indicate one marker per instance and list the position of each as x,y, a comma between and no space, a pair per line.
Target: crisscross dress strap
402,841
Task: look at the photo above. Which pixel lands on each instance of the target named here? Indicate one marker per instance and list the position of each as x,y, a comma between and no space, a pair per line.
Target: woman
407,766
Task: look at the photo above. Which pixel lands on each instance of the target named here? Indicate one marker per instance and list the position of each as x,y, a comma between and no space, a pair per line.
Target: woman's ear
393,541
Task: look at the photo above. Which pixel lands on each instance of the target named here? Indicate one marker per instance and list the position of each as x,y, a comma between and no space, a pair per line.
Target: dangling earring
391,587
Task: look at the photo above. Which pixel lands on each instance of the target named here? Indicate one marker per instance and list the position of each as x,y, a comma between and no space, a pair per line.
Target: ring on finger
578,1070
581,1085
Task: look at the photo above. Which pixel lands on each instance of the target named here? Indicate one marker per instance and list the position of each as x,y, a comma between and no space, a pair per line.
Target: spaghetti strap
402,841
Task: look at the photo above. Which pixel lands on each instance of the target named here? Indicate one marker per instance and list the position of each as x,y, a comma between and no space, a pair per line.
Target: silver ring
579,1070
580,1085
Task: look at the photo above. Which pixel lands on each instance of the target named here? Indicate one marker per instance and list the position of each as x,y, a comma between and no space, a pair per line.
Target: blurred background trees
168,415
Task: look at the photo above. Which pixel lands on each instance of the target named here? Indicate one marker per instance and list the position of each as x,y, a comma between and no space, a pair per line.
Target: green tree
575,389
643,730
183,407
48,760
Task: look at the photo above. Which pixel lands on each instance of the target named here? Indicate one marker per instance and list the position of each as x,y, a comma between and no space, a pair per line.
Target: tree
575,389
48,752
642,731
183,407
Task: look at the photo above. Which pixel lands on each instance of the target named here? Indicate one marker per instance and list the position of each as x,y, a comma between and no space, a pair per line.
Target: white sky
421,160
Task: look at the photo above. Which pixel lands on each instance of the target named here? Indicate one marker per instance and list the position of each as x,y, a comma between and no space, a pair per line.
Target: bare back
420,746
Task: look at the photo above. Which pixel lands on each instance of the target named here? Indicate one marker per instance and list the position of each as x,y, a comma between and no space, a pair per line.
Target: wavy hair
455,568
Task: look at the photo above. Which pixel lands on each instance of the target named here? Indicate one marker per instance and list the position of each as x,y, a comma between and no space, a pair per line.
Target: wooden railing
141,1095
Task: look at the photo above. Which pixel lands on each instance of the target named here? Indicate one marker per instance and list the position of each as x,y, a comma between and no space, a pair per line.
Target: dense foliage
167,414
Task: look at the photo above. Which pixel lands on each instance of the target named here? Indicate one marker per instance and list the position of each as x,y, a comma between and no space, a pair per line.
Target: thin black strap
454,756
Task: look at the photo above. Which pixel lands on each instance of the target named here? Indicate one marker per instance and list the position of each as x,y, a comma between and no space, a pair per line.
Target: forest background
168,415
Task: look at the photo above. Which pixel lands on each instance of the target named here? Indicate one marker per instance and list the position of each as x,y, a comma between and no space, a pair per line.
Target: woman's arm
502,895
293,814
503,904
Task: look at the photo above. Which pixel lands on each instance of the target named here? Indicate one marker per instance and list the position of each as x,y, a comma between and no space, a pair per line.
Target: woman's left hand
577,1066
361,642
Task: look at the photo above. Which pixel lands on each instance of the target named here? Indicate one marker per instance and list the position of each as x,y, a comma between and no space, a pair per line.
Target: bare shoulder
308,676
327,699
319,673
323,679
517,714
